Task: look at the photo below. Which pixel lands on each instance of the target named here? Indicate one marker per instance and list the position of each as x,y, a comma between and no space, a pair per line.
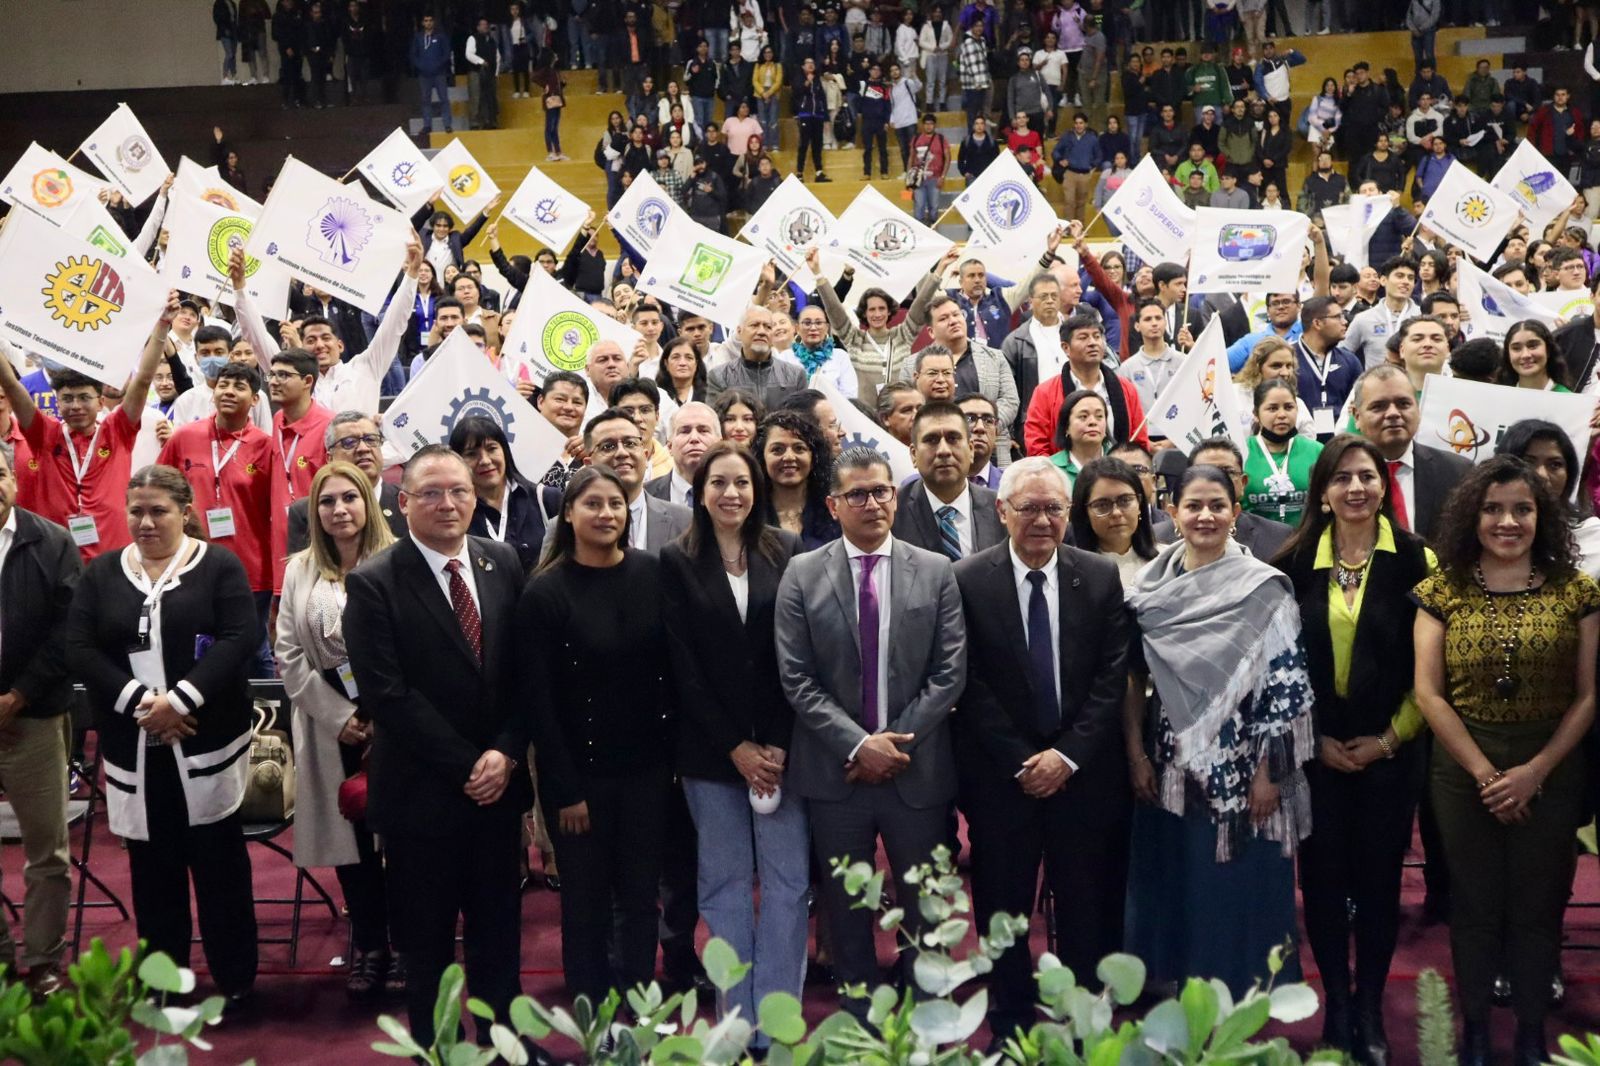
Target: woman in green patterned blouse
1505,644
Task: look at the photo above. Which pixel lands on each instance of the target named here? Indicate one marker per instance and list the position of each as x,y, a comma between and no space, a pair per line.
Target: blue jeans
1134,125
264,665
552,130
734,842
229,56
576,38
1422,48
717,38
767,115
434,85
926,201
703,110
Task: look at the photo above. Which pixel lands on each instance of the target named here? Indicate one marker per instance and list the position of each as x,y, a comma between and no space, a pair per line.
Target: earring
1325,508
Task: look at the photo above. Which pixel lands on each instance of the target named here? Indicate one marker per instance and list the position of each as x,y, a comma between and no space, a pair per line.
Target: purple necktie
867,611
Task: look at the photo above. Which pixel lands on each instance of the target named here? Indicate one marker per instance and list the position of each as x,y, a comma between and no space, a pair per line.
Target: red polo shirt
27,483
250,483
304,446
56,491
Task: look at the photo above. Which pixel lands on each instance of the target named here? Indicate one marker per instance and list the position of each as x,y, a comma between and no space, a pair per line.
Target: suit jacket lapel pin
1077,581
484,564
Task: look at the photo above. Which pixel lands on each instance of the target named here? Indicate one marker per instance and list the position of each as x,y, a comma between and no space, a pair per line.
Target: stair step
1491,46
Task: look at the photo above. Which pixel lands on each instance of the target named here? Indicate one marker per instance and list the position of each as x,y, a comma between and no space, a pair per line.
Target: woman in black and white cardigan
161,634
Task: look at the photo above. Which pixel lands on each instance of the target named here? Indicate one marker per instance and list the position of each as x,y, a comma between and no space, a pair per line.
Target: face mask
1278,438
211,365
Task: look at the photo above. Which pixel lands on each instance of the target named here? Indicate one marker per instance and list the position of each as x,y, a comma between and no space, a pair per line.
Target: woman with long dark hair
1111,515
798,462
740,414
1081,431
608,153
681,375
1530,358
1546,448
720,583
1506,640
597,678
1353,569
508,506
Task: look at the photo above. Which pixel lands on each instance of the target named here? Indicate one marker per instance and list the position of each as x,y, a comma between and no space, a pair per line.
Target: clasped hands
878,759
1349,756
761,766
157,716
1509,793
489,777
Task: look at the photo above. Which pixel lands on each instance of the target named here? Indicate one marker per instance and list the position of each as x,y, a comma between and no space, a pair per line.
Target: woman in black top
720,581
162,634
508,506
798,461
1273,145
599,689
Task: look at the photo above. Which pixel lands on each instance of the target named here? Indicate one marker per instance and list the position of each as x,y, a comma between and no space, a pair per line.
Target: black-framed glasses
616,444
350,443
858,498
1103,508
976,419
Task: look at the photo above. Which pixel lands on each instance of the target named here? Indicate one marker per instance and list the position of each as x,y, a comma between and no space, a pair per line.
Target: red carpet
304,1017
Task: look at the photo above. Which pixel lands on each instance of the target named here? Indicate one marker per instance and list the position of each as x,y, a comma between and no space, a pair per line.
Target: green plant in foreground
1203,1026
87,1024
1436,1027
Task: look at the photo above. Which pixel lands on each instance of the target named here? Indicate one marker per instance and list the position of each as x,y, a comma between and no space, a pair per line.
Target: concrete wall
54,45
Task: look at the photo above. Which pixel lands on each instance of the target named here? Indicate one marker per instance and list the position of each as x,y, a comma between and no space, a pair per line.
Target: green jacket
1208,84
1479,91
1185,168
1238,143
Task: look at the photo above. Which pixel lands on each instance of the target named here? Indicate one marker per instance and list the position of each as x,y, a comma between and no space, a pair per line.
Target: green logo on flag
226,234
566,339
707,267
102,239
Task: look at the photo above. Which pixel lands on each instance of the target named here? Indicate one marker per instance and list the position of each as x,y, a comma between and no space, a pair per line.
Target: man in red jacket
1556,129
1085,343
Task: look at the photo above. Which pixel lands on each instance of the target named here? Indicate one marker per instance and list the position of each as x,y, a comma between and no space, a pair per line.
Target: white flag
457,382
1350,226
1468,418
554,330
91,222
789,222
332,235
467,186
1150,217
888,248
1200,401
700,270
642,213
401,173
1008,214
200,238
1539,190
66,300
546,212
1247,250
47,185
1566,304
862,432
1489,306
205,183
1468,211
122,151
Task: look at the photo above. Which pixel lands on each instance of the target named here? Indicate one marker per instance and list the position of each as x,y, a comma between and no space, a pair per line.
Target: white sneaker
549,157
563,158
228,81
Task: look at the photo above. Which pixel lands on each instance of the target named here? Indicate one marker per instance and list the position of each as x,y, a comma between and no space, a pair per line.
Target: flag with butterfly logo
696,269
791,221
122,151
467,186
554,330
1200,401
331,235
1008,214
887,247
1467,211
47,185
1540,190
545,211
201,237
400,172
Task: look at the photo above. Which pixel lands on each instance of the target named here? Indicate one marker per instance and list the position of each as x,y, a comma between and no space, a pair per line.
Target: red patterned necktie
466,610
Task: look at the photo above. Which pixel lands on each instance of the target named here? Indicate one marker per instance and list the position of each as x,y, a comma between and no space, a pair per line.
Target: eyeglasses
1032,511
982,420
611,447
857,498
1103,508
1139,468
282,375
939,373
432,497
638,409
349,444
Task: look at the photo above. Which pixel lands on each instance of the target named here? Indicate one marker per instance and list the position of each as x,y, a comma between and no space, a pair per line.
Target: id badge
1324,421
143,641
1280,485
219,520
347,677
82,528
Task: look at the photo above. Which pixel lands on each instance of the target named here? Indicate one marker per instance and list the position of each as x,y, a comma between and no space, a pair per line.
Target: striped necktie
949,539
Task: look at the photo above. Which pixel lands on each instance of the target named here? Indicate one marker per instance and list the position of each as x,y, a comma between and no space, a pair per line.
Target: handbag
353,795
269,782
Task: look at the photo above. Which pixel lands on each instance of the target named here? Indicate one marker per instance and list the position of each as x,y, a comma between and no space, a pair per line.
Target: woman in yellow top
1505,647
1353,569
768,82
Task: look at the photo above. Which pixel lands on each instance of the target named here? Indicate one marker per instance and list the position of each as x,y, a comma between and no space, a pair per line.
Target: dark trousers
680,897
1361,827
472,873
521,63
363,882
1081,837
851,828
1509,883
320,63
905,135
810,137
873,130
356,73
290,81
610,877
1435,871
212,856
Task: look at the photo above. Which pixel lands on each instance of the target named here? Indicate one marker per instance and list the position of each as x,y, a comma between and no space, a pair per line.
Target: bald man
695,428
606,367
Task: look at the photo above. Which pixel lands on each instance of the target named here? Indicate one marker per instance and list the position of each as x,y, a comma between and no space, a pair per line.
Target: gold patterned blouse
1544,655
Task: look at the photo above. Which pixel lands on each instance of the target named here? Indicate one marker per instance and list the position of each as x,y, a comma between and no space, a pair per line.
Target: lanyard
288,453
505,518
80,468
1277,471
1321,369
883,350
218,465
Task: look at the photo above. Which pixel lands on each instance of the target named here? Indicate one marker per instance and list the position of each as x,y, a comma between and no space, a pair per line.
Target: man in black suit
944,511
39,568
1387,413
428,626
1039,753
353,438
1262,537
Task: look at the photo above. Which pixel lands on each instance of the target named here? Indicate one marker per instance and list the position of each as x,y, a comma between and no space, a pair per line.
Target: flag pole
346,175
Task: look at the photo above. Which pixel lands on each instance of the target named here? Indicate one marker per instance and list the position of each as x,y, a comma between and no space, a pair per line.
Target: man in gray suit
943,511
872,655
979,368
615,441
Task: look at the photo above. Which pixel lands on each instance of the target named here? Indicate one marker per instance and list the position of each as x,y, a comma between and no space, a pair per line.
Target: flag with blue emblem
1540,190
1009,216
400,172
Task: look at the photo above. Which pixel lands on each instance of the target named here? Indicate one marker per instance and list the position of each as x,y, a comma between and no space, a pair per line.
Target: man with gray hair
872,655
978,367
756,371
1387,412
1040,756
695,427
352,437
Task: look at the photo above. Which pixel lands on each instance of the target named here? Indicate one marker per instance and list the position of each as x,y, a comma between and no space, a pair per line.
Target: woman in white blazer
331,735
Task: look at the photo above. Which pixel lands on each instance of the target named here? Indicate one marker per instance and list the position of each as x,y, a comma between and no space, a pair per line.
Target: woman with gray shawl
1216,754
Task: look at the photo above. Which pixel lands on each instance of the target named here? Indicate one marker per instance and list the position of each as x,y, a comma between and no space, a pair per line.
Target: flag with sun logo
698,270
1466,210
1540,190
71,302
49,186
467,186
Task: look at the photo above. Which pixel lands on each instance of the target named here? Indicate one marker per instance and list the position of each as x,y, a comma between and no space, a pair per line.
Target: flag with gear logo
554,330
546,212
467,186
71,302
400,172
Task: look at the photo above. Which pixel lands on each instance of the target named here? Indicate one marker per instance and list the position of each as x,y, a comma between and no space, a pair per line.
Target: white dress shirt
1052,600
880,582
680,489
1405,482
638,523
436,562
8,537
1047,346
963,506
